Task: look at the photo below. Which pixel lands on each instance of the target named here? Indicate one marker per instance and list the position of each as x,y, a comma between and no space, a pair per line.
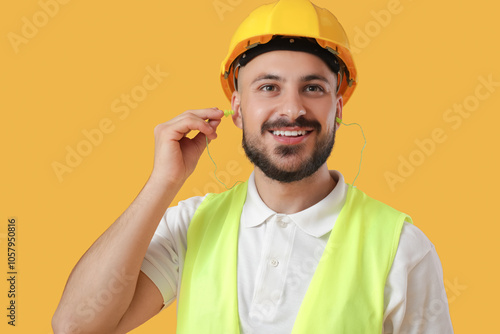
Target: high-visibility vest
345,295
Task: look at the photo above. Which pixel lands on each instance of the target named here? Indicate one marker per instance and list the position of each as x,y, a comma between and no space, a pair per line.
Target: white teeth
289,133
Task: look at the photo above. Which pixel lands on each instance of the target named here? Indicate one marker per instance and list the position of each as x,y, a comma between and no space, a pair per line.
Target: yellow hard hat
299,18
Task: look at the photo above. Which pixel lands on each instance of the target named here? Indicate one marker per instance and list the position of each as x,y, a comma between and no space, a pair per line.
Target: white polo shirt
277,257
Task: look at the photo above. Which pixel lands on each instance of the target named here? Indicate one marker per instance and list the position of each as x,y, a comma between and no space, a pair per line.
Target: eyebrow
312,77
267,77
305,78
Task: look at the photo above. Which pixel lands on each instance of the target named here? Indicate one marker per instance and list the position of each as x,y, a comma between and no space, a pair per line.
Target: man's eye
268,88
314,88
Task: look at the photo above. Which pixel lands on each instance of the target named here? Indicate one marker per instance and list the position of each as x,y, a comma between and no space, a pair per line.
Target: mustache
301,121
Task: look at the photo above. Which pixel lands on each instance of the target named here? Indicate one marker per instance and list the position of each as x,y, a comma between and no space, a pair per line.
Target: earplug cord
226,114
361,158
215,170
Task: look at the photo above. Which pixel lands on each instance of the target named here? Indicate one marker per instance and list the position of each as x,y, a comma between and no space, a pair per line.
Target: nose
292,106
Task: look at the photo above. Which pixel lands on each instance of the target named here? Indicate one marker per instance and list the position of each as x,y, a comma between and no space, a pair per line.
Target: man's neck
295,196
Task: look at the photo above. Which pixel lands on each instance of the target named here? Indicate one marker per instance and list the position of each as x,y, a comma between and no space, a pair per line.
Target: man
294,249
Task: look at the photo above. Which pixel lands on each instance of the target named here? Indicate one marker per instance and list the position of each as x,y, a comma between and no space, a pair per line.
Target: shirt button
274,262
282,221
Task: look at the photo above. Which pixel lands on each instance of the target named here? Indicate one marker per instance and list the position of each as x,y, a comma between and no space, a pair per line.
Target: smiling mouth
288,133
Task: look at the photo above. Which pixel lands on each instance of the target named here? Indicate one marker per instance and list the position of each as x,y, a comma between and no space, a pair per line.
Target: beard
321,151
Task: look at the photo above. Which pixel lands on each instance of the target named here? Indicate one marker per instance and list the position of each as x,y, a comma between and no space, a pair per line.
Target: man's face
286,106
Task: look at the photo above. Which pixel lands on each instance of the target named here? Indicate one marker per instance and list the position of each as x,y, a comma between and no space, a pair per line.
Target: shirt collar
255,211
316,220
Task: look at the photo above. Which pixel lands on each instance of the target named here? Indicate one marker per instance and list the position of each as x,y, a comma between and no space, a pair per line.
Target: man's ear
339,106
236,106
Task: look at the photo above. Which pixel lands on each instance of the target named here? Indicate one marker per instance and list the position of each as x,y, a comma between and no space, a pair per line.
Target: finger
214,124
192,123
200,140
203,120
208,114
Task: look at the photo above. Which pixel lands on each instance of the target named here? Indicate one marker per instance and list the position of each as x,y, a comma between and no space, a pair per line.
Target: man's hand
176,155
122,247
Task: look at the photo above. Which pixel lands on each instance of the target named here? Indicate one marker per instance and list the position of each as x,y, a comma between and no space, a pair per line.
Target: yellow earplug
338,120
228,112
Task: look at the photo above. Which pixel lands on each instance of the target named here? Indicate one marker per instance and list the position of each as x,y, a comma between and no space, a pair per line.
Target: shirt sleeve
164,258
414,296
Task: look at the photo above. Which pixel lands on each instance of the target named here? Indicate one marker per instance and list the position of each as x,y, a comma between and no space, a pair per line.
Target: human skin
287,85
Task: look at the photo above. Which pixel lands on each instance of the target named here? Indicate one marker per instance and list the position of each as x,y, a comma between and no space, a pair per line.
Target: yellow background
413,67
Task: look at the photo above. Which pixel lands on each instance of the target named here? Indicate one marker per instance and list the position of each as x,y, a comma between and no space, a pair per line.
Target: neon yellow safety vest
345,295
